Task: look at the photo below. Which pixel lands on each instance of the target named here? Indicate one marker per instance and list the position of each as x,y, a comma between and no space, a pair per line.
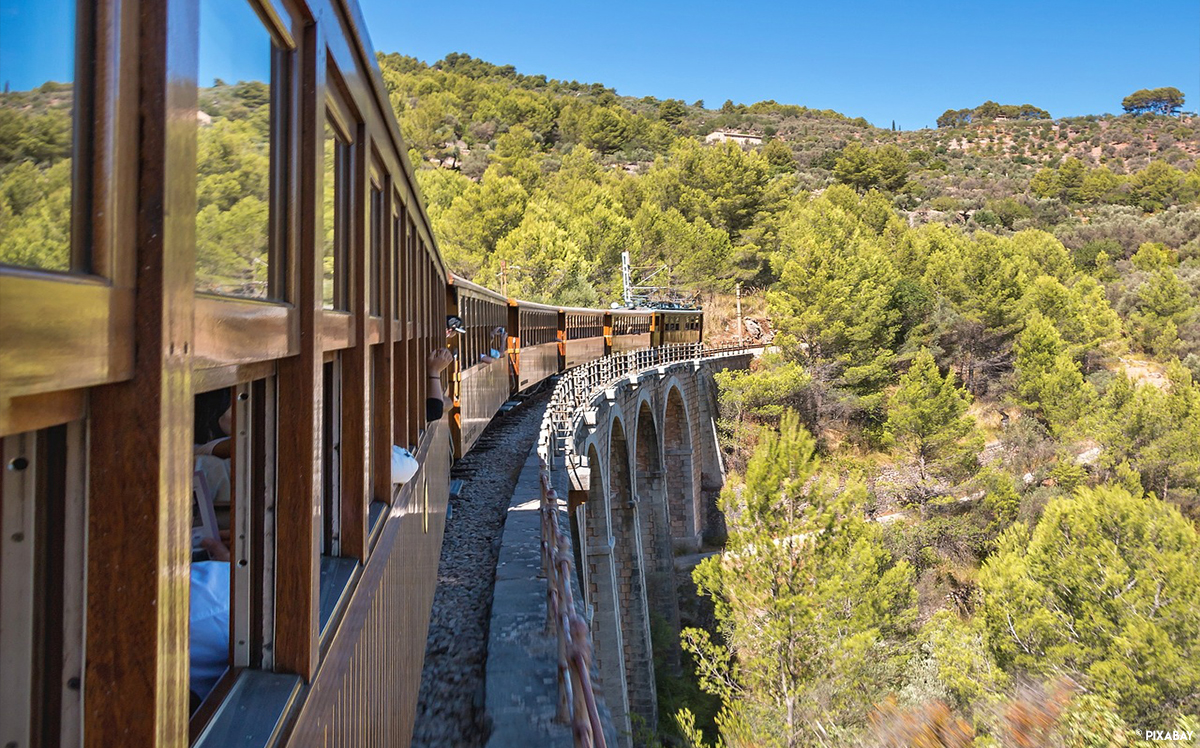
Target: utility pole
626,280
739,314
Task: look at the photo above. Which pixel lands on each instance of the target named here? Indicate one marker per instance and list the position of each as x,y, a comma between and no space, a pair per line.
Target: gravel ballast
450,708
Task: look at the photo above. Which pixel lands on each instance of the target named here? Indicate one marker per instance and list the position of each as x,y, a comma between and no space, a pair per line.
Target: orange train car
582,335
629,329
536,336
483,370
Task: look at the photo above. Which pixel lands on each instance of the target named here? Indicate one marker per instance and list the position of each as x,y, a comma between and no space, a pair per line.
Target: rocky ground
450,710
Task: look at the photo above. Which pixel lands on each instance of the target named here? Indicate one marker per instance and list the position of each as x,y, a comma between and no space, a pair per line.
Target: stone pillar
601,590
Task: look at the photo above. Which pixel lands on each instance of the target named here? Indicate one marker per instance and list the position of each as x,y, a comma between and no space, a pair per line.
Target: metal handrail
576,388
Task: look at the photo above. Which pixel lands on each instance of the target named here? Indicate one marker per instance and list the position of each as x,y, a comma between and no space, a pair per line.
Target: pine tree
1048,382
807,599
1107,585
928,415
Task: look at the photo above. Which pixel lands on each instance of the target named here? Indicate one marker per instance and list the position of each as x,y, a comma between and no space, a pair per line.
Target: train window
233,553
397,254
42,593
378,446
336,570
331,479
375,260
237,123
39,163
335,292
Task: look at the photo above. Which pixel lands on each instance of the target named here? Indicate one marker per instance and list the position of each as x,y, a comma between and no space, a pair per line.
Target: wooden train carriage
676,326
583,336
629,329
537,342
481,387
259,244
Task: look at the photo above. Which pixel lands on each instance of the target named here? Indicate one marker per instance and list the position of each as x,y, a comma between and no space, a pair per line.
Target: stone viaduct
643,469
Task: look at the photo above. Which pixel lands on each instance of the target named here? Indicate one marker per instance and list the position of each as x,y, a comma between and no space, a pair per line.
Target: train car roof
535,305
460,282
638,311
581,310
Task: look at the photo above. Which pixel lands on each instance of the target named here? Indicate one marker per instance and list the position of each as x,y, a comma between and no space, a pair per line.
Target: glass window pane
37,72
233,175
330,259
375,271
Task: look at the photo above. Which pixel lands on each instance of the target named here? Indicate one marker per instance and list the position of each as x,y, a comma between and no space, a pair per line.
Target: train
538,342
220,340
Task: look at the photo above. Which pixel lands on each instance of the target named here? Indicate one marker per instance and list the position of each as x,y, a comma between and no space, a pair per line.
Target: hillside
982,408
1128,178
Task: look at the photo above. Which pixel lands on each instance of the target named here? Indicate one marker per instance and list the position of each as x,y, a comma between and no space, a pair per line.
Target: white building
741,138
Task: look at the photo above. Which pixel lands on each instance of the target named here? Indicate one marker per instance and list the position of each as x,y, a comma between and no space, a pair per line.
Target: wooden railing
574,390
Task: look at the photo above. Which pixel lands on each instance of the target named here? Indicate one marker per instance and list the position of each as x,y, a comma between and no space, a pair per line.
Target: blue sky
885,61
37,42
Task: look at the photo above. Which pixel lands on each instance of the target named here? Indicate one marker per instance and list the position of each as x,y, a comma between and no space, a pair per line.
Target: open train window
44,145
335,570
232,610
43,516
240,174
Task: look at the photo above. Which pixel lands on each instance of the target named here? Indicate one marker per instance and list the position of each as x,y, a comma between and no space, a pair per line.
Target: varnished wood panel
336,330
33,412
582,350
237,331
140,444
208,379
537,363
355,371
300,404
62,332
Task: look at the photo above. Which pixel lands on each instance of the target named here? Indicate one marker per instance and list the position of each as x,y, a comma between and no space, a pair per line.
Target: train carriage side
537,356
481,387
299,360
583,336
679,326
630,329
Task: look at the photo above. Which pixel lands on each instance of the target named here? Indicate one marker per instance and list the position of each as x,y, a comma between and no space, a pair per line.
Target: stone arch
601,590
631,581
648,481
681,469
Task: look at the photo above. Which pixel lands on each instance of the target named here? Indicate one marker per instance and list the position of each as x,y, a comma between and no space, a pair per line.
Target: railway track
450,708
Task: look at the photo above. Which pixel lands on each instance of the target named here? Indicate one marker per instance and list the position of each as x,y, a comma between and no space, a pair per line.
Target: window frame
232,330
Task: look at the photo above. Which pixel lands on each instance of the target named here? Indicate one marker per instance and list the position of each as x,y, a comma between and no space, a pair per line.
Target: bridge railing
576,699
574,390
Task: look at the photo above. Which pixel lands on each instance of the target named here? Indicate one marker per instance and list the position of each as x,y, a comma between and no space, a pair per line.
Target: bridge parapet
631,438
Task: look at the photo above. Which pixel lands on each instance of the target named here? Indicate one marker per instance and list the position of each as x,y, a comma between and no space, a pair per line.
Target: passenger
214,423
437,400
214,447
495,342
208,622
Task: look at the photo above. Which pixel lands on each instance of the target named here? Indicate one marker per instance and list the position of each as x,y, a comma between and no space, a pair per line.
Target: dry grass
720,318
1143,371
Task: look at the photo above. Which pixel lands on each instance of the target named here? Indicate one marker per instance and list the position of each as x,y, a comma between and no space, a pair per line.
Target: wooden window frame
252,547
62,331
232,330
